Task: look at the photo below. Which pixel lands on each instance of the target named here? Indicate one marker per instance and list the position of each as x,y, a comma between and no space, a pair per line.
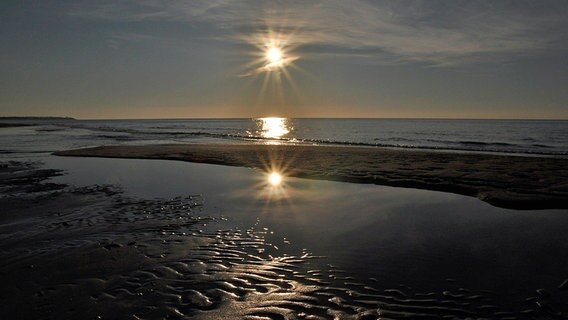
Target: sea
517,137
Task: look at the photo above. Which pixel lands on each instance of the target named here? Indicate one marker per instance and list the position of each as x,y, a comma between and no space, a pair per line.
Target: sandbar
515,182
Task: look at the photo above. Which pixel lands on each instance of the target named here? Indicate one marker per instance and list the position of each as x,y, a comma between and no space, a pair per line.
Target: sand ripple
103,255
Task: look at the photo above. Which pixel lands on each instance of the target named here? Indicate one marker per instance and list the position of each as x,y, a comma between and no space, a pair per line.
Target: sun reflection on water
274,128
274,188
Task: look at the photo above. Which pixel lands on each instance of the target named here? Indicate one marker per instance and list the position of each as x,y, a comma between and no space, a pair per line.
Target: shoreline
504,181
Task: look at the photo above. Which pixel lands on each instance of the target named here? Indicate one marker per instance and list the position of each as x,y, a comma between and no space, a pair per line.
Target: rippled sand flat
98,251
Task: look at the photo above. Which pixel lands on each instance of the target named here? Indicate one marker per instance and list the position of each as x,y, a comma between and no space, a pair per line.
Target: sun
275,179
274,55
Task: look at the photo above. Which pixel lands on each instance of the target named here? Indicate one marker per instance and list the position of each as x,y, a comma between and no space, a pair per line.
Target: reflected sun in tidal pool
274,187
273,184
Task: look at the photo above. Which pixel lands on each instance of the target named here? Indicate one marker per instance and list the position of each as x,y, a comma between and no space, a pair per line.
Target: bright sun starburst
274,55
275,179
273,59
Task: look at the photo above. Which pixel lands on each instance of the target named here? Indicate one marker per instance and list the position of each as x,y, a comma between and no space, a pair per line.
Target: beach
284,160
504,181
200,231
217,242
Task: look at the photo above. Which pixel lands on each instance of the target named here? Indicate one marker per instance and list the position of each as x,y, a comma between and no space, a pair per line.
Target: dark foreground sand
69,252
503,181
91,253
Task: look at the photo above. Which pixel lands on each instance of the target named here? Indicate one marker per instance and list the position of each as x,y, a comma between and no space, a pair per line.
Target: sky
338,58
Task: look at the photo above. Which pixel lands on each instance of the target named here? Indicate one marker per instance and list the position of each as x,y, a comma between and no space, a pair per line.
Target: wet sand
96,251
504,181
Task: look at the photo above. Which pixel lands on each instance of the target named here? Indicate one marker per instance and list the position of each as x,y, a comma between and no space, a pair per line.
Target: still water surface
423,240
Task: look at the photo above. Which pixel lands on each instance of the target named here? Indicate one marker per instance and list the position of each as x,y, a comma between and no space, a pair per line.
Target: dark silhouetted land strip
10,125
36,118
501,180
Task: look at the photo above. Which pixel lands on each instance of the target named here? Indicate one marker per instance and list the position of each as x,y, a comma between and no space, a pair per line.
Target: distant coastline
36,118
10,125
11,122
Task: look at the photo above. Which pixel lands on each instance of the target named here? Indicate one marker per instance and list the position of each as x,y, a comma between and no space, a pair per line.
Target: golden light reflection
274,128
274,187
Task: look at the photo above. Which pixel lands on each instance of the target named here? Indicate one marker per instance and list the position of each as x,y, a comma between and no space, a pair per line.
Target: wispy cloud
431,32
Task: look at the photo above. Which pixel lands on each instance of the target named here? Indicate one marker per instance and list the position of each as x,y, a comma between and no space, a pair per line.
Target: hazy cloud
433,32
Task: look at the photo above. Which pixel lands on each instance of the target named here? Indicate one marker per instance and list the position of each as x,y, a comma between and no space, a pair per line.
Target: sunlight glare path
274,127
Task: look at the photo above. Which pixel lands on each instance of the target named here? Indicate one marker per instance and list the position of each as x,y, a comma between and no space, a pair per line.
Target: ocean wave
160,132
476,146
481,143
538,145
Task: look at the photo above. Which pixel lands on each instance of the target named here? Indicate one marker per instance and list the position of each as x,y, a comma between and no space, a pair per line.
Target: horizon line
261,117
